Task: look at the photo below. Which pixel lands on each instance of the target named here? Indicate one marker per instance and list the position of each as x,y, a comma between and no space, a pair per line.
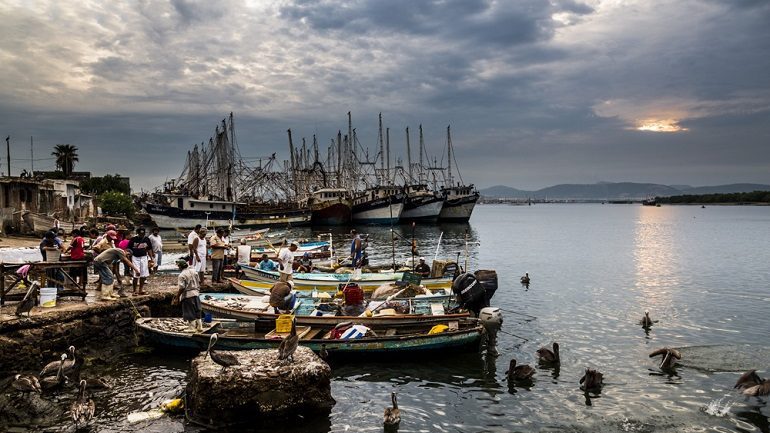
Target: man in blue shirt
266,264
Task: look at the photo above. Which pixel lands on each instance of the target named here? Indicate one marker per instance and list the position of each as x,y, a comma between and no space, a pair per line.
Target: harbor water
701,272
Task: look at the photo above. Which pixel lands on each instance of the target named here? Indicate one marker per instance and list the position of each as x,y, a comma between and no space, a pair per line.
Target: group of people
140,254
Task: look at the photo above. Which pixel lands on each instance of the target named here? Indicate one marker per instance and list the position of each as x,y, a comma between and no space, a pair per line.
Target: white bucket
48,297
52,254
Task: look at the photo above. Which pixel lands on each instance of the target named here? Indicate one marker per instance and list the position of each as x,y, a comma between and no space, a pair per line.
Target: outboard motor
470,293
488,279
492,319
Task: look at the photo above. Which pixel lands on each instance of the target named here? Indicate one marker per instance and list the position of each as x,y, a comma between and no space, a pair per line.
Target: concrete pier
261,387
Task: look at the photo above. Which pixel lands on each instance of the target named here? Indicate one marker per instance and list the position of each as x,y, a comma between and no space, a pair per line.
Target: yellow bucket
283,323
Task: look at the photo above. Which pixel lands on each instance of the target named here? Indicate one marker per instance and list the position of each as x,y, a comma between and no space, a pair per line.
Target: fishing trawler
378,205
459,199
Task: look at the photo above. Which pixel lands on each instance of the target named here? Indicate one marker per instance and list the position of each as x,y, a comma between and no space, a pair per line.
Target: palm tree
66,157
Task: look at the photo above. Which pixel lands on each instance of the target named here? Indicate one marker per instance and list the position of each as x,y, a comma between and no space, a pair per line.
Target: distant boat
421,204
459,200
330,206
649,202
378,205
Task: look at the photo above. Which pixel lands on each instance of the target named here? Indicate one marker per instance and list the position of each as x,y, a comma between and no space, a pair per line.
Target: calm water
703,273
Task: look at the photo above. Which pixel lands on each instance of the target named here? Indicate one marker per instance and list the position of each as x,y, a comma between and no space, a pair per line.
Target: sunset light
659,125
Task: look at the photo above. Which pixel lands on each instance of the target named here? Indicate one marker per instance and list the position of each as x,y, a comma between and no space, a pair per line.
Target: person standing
77,252
190,239
218,248
243,254
103,266
199,254
356,248
187,295
141,251
157,246
286,261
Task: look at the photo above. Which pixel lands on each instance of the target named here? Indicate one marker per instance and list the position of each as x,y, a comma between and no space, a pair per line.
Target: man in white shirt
286,260
157,245
190,239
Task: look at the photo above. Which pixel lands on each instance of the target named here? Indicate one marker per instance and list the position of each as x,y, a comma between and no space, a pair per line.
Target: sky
536,92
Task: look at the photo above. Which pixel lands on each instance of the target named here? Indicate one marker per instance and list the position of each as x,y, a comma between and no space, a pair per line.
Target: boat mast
382,154
387,151
421,174
291,162
408,157
449,156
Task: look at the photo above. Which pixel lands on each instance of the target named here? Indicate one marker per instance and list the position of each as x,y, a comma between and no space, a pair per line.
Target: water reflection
654,260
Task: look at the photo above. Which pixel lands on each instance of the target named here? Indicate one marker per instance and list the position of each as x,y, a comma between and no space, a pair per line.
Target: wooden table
10,279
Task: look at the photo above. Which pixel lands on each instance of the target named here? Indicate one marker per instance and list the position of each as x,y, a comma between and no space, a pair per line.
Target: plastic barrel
48,297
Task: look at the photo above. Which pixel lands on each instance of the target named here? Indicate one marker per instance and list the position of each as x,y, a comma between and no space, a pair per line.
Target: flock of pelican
56,374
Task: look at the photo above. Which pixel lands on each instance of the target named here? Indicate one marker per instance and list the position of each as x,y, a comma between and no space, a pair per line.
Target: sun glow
659,125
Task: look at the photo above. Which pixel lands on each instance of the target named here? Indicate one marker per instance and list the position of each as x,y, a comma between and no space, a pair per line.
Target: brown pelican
221,358
392,416
646,322
591,380
323,353
548,356
26,383
289,344
525,278
519,372
670,356
52,367
71,366
762,389
49,382
748,379
82,409
26,304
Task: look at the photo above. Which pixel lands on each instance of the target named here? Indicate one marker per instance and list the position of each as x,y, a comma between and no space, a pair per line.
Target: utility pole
8,150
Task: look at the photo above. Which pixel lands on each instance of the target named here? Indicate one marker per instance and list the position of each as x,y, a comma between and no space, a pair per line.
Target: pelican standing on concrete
26,304
289,344
221,358
83,408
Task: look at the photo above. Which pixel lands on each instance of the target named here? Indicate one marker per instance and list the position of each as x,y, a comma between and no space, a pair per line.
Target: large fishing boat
459,199
421,204
330,206
378,205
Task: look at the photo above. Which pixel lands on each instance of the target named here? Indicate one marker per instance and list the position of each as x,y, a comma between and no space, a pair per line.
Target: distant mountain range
614,191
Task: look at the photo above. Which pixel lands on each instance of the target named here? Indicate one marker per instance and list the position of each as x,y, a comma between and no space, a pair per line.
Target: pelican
646,322
748,379
49,382
323,353
82,409
289,344
762,389
519,372
392,416
591,380
525,278
221,358
71,366
26,304
670,356
548,356
26,383
52,367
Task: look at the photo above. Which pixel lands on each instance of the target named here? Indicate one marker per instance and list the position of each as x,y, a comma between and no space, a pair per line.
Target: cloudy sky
537,92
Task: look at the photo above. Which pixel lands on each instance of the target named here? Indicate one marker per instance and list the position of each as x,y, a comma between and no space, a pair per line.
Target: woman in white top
199,248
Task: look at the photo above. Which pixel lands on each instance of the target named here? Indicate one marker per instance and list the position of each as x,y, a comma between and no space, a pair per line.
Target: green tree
116,204
100,185
66,157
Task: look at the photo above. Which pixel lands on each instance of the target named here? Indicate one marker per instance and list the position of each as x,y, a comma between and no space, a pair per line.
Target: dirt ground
33,242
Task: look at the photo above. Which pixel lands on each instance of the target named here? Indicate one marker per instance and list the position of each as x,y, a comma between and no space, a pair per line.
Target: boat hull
466,339
171,217
423,209
458,210
336,214
368,285
382,213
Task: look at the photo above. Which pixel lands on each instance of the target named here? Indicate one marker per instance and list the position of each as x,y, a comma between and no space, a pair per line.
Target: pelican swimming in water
525,278
592,380
83,408
221,358
289,344
752,384
519,372
26,383
548,356
670,357
646,322
392,416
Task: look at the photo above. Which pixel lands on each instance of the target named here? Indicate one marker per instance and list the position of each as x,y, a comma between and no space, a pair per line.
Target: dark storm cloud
536,92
